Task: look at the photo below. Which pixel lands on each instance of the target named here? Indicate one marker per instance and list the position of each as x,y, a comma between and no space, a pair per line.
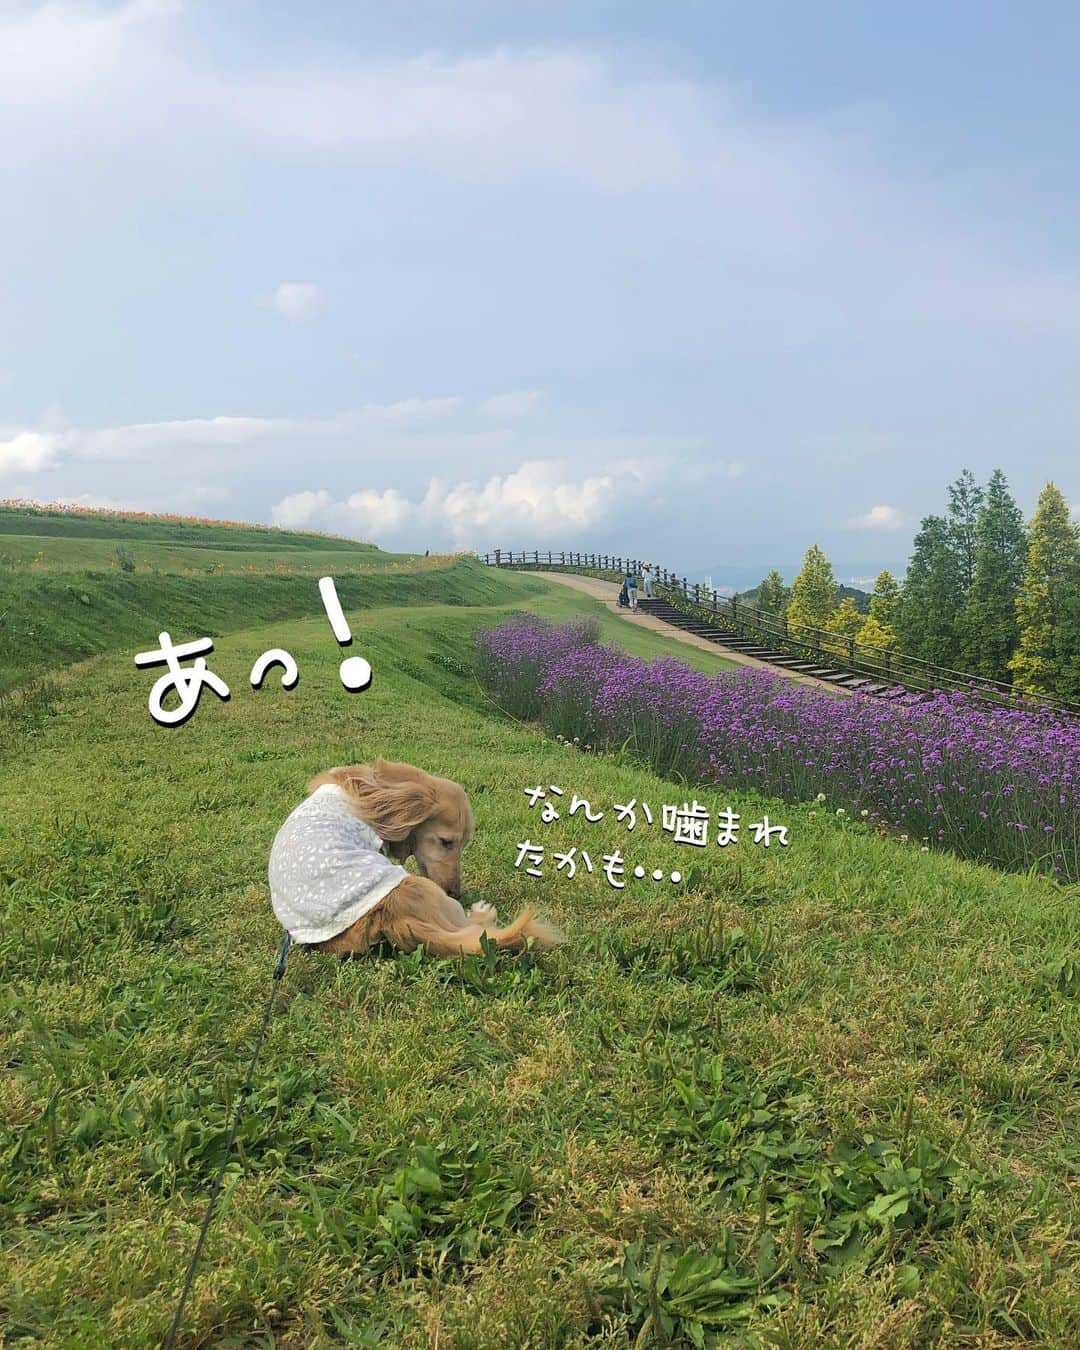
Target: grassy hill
73,583
90,535
843,1073
43,541
55,609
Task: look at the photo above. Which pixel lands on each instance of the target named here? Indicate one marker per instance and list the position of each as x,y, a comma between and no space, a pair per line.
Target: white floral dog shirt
327,868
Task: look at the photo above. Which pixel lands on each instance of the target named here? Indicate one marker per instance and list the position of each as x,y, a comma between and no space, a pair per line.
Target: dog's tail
462,941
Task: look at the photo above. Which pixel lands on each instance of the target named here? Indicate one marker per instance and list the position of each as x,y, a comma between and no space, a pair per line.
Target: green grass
679,1123
64,596
45,553
43,540
557,603
49,621
52,620
73,583
63,525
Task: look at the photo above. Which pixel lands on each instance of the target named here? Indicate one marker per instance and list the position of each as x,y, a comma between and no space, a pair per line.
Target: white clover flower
924,849
840,811
864,813
903,838
820,797
813,814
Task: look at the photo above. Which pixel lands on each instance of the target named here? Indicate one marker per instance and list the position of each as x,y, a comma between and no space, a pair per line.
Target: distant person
631,589
648,583
624,599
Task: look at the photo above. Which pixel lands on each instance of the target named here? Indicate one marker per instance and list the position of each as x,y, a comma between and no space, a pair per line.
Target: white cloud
84,80
55,53
541,496
30,452
411,409
298,301
138,440
385,512
301,508
180,498
517,404
878,518
33,450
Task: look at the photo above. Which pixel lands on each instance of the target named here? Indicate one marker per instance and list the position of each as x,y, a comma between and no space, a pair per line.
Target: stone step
719,633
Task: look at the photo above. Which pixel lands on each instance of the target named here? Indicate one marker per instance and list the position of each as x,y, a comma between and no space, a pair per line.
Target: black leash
215,1190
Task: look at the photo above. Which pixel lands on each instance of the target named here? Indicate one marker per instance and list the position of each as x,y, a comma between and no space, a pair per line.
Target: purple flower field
1000,785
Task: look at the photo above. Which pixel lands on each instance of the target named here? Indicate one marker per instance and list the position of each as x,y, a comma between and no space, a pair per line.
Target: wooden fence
776,632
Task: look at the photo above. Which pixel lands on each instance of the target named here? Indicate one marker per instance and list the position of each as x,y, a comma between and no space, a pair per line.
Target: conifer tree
926,618
879,630
1044,601
845,618
885,600
987,624
965,502
1068,642
772,593
813,592
876,634
845,621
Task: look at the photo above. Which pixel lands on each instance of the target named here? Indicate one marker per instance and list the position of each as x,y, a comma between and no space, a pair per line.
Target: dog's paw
482,912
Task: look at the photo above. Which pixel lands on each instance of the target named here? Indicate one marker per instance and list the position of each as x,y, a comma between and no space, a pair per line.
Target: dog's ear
393,810
343,777
393,804
397,771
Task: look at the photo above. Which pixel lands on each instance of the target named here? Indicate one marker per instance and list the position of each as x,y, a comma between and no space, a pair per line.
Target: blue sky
710,282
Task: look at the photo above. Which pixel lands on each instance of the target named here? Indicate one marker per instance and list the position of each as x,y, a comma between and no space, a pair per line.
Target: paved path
607,592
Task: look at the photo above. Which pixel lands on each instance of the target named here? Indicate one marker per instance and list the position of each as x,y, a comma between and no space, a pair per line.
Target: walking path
607,592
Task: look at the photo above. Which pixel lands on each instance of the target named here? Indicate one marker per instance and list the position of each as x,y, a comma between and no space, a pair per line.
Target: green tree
772,593
885,600
926,617
845,621
874,633
879,630
813,592
845,618
987,625
1068,641
965,503
1053,562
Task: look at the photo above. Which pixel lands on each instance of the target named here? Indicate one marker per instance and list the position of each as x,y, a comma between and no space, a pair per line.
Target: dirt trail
607,592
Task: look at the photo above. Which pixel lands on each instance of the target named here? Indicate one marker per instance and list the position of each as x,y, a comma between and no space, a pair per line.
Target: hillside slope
75,583
56,609
500,1151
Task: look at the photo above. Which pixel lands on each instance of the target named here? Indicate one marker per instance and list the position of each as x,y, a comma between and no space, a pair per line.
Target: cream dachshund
336,879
